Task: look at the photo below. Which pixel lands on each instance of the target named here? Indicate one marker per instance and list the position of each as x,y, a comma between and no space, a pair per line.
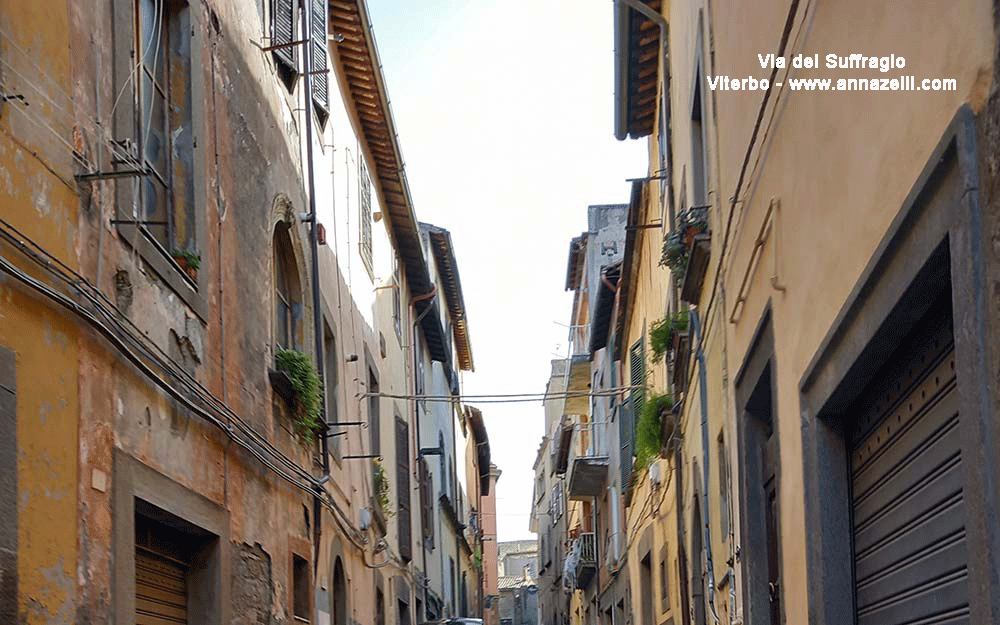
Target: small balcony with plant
654,428
669,339
295,380
686,251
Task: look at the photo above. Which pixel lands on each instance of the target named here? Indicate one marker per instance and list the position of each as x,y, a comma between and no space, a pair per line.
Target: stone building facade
191,194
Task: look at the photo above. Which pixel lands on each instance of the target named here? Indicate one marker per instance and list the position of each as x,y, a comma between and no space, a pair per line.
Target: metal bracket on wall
279,46
108,175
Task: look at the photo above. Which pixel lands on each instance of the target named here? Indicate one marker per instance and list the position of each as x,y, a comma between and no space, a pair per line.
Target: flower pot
282,385
181,262
191,273
689,234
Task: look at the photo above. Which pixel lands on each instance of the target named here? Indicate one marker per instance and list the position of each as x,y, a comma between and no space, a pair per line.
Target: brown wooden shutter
320,80
426,504
403,489
283,31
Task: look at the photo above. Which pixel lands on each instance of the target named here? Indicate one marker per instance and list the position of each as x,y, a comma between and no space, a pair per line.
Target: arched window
287,291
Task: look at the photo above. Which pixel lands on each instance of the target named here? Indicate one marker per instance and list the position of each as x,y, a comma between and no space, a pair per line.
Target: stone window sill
166,269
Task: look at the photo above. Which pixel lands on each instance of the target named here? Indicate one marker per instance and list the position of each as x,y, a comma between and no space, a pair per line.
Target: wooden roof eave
364,82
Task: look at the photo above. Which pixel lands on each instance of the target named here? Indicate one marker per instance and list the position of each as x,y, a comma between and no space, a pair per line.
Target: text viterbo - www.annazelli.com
832,61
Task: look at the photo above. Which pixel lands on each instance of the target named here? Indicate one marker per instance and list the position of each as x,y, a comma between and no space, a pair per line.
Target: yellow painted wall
839,163
35,197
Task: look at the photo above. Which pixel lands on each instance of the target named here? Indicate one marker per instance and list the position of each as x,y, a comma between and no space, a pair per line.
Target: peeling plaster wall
37,196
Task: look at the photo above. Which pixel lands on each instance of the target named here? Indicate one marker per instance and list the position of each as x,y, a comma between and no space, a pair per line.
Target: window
365,217
699,175
283,34
163,133
300,588
426,502
287,293
374,414
646,581
332,373
403,488
379,607
723,487
664,581
451,582
397,304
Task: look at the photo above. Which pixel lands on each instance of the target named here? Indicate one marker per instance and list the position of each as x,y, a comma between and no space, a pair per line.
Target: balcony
585,557
587,477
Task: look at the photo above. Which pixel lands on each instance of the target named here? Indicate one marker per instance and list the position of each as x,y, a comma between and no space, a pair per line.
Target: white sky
504,110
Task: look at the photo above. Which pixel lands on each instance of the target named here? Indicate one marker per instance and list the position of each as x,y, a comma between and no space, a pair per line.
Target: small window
287,292
379,607
397,303
365,217
331,371
300,588
723,487
664,581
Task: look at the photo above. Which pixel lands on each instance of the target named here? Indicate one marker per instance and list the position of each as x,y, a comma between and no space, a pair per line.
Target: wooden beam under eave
354,56
356,65
339,16
645,40
645,101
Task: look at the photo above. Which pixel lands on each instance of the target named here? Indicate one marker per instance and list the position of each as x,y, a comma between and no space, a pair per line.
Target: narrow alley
731,271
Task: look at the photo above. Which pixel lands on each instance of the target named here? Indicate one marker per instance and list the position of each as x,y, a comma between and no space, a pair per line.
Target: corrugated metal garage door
160,576
908,508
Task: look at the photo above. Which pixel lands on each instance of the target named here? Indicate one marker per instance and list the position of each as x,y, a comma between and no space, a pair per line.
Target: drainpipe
313,222
703,396
416,418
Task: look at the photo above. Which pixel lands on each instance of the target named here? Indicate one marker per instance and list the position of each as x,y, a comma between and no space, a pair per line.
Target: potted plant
661,334
693,222
382,489
649,428
663,331
295,379
188,261
675,253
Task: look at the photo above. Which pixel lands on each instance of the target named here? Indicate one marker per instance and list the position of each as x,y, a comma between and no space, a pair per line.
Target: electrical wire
500,398
297,477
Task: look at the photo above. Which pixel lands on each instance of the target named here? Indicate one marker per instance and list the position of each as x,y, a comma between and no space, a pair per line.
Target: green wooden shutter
320,79
283,31
632,408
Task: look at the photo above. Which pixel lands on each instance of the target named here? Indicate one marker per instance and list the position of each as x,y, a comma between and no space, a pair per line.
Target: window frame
125,125
365,243
284,263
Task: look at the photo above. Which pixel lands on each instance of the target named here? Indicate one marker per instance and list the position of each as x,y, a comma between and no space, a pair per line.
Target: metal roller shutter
161,567
910,554
160,590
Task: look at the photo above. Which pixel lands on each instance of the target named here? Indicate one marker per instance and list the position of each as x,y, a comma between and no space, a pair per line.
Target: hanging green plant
307,390
662,332
649,429
382,489
674,254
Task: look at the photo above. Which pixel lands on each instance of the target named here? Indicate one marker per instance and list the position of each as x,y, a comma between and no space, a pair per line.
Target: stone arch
284,226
